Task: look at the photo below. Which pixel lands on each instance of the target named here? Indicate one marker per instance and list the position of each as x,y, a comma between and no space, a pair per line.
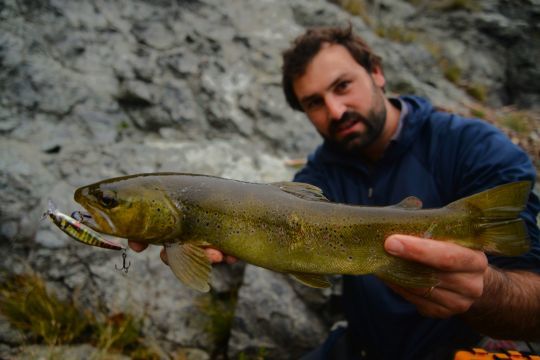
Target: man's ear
378,77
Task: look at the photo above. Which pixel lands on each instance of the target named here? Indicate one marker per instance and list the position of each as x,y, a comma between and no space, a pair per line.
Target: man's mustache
348,118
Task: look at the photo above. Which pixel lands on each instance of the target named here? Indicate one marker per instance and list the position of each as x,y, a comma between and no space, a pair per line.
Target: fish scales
276,224
291,227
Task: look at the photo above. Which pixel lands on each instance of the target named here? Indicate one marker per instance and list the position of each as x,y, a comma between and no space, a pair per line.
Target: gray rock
282,325
154,34
9,335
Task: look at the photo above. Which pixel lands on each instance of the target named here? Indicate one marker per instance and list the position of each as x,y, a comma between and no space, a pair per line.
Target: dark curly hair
306,46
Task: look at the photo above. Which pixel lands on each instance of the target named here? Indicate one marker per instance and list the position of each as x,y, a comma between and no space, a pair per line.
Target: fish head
134,208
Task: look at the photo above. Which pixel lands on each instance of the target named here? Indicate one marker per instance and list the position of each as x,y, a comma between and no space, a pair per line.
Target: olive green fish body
291,227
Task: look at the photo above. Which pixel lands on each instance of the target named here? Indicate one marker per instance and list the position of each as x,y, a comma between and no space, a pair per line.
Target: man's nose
335,108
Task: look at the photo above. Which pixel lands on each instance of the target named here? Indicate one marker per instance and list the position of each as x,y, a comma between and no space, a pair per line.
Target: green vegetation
477,91
44,318
261,353
123,125
220,310
119,332
27,305
452,73
477,113
396,33
518,121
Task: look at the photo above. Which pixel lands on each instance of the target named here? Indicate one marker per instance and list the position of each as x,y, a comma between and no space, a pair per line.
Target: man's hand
460,271
214,255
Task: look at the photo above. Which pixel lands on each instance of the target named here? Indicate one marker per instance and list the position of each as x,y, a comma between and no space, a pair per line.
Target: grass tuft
220,311
29,307
477,91
119,331
517,121
44,318
452,73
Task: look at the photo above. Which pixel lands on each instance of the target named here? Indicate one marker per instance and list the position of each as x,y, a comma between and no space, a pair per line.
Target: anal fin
312,280
190,265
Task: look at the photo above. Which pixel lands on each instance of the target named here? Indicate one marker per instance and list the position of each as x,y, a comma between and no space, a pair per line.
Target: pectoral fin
312,280
190,265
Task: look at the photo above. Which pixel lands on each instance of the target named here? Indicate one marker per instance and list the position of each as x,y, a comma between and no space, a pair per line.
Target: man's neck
375,151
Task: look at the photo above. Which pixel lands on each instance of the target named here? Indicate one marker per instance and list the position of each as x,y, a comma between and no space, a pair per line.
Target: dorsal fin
301,190
409,203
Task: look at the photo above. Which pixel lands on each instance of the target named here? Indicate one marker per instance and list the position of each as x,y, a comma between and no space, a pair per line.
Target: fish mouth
97,221
94,217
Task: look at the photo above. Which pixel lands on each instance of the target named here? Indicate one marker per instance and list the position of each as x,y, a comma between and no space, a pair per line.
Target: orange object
481,354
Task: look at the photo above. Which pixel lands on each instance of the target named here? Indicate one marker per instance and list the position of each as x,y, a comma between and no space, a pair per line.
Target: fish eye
108,200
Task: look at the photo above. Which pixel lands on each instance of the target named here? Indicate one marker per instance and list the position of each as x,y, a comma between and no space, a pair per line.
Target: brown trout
292,228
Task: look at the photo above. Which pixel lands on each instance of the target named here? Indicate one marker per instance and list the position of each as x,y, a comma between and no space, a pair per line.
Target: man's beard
357,141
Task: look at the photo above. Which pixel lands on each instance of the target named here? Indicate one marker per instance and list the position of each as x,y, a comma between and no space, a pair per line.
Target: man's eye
313,104
343,85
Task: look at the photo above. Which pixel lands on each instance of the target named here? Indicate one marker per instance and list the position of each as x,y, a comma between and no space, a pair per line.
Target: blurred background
96,89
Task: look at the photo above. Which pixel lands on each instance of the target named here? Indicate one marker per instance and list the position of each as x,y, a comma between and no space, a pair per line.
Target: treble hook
124,267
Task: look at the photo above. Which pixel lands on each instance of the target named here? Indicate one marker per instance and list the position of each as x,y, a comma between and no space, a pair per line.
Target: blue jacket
438,157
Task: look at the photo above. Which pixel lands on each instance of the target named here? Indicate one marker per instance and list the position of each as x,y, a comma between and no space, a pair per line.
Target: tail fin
496,219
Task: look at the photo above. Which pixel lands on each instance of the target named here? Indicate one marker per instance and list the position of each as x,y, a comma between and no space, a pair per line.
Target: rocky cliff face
95,89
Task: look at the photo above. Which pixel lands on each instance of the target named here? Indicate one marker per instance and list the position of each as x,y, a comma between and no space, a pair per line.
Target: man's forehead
330,64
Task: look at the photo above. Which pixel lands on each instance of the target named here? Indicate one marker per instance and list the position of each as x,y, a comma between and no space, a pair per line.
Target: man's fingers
460,273
217,256
214,255
441,255
437,302
163,256
136,246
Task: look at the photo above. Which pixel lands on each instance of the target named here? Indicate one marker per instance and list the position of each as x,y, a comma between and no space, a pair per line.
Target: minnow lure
77,230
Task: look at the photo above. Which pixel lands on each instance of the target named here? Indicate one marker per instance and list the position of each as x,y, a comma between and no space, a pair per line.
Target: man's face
344,102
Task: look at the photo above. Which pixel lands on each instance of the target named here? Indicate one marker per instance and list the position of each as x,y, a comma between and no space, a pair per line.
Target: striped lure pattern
78,231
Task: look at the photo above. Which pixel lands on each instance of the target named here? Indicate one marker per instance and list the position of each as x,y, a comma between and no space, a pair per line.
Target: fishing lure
77,230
